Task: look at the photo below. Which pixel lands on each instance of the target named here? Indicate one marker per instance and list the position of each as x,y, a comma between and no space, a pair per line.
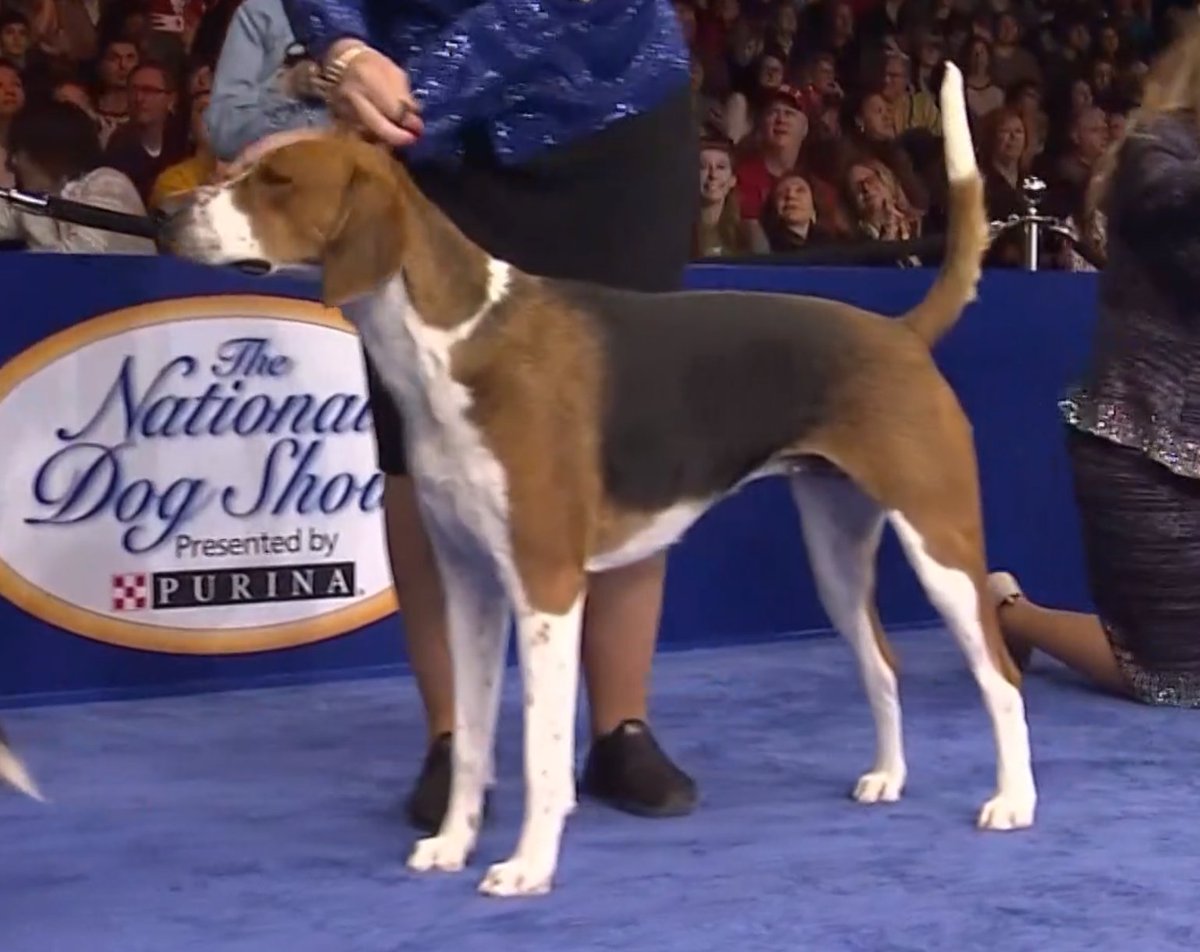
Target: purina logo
215,455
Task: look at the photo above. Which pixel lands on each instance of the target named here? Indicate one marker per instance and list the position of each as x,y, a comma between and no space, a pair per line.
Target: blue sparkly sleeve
463,72
318,24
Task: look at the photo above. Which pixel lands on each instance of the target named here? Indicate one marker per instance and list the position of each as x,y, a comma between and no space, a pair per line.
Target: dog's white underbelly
671,524
660,533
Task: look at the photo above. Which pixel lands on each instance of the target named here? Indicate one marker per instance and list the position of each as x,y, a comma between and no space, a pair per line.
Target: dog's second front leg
549,651
477,614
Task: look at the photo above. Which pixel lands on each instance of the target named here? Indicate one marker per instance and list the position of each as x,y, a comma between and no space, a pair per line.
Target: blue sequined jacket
1142,387
531,73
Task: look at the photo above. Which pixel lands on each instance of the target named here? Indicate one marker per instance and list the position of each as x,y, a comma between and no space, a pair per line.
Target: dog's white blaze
229,226
960,153
659,533
955,597
842,528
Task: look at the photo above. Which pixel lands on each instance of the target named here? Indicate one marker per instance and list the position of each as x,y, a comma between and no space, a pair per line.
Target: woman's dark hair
59,136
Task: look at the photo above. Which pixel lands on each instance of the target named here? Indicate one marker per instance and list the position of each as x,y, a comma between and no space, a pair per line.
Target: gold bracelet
335,71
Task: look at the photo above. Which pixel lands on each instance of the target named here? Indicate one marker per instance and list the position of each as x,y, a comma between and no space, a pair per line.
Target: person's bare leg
419,591
620,632
625,766
1076,639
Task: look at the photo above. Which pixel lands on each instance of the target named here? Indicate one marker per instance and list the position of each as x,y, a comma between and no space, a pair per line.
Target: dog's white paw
517,877
1007,811
445,853
879,786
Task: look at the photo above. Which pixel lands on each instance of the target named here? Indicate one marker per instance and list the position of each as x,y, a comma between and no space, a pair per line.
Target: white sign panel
194,476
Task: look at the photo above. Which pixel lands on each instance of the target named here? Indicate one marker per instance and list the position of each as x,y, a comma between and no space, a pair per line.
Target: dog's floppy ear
366,244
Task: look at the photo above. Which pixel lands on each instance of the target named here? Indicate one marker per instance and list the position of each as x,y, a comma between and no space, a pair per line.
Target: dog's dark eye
273,177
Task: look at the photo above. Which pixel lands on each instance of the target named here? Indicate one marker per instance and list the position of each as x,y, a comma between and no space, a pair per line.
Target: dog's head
331,200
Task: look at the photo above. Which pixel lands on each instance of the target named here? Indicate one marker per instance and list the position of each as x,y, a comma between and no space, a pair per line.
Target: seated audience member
720,228
1002,161
983,95
54,148
17,48
264,83
741,108
1133,422
775,151
142,147
873,134
12,98
201,168
911,106
789,219
118,60
1026,98
878,209
1068,177
1011,62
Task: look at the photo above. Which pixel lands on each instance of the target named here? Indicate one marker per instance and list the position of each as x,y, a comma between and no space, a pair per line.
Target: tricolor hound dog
542,454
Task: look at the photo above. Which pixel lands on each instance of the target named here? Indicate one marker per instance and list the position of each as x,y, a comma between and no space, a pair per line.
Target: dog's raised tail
967,234
13,772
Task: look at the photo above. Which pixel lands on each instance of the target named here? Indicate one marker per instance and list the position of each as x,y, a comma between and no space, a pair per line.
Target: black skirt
1141,538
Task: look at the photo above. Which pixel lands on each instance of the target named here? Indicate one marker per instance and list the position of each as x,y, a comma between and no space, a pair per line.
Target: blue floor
265,821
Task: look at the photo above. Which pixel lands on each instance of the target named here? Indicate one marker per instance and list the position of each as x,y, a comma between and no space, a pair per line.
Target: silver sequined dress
1135,417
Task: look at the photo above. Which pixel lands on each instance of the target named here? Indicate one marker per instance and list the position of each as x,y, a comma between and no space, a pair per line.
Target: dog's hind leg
842,527
946,554
477,615
13,772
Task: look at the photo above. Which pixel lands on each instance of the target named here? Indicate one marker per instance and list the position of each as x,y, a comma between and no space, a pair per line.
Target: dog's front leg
549,651
477,614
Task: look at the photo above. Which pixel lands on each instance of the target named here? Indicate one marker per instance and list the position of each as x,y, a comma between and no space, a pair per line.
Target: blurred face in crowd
770,72
786,22
12,93
1090,135
119,60
895,78
868,190
794,201
14,41
979,58
200,80
1081,96
1116,126
1109,41
150,99
716,176
931,51
824,74
843,21
745,43
1007,31
1079,38
1010,140
784,125
876,119
1103,74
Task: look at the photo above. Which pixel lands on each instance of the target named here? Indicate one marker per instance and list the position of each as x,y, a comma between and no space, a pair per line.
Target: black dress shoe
427,803
629,771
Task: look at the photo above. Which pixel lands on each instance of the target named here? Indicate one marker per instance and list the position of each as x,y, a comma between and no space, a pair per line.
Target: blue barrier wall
741,575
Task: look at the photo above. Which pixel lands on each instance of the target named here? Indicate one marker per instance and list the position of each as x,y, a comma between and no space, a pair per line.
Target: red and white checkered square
129,591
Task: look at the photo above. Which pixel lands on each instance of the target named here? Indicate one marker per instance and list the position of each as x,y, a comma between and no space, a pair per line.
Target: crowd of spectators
819,119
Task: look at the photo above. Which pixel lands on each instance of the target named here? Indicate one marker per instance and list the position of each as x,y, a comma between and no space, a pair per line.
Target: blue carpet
265,821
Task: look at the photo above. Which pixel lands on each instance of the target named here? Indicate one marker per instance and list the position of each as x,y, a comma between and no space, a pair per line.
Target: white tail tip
13,772
956,129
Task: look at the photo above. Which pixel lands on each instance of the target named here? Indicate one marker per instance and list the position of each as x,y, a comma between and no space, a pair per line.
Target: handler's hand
375,92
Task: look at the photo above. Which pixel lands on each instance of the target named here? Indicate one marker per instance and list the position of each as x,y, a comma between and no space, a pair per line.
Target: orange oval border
50,608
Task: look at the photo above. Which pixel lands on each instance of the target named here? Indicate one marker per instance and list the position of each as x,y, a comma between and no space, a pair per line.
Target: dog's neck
448,278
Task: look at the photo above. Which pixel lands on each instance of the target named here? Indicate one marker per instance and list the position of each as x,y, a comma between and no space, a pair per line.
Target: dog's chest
461,484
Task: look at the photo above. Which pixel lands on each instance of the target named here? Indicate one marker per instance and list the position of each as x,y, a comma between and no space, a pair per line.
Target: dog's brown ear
366,245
